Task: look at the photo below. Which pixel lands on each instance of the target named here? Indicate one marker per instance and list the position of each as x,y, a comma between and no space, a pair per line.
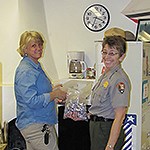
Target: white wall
67,32
16,17
62,25
9,103
9,38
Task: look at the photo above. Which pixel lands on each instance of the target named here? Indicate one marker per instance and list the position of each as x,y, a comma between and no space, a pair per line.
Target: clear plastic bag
75,106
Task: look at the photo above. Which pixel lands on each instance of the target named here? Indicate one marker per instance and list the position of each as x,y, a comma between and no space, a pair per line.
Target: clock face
96,17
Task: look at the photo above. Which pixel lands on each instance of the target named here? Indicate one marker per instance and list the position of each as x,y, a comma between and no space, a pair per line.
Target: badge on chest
105,84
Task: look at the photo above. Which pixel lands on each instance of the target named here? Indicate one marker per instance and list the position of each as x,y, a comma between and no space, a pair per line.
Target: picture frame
143,30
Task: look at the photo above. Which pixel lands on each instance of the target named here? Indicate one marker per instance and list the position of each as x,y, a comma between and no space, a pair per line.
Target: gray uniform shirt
112,90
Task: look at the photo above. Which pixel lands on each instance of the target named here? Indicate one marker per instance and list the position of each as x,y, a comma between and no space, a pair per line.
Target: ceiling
138,9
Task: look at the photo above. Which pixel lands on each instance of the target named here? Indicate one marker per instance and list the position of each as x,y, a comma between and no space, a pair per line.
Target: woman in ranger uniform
110,98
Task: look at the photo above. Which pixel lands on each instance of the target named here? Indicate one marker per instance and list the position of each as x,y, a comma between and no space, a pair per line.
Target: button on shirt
32,88
112,90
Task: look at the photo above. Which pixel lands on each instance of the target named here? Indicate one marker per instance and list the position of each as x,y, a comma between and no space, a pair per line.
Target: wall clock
96,17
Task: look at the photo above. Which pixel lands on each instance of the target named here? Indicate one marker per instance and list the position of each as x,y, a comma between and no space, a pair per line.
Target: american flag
129,124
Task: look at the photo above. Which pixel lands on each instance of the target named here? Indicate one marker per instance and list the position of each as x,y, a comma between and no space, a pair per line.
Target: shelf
69,79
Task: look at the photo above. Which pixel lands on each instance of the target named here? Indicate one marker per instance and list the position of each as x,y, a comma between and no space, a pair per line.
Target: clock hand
100,19
95,18
94,21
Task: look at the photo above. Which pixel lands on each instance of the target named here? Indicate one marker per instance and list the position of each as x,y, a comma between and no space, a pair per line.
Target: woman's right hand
59,94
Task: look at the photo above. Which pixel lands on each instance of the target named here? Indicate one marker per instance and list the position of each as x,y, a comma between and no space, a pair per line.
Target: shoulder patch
121,87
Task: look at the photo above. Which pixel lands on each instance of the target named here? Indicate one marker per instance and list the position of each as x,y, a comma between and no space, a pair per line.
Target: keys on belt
46,129
96,118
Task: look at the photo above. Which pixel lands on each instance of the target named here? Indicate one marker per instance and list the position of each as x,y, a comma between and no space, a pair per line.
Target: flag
129,123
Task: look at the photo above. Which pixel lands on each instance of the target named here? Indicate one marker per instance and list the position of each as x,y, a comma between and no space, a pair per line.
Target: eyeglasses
110,53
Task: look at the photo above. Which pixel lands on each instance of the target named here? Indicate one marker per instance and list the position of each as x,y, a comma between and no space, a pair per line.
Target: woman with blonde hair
36,113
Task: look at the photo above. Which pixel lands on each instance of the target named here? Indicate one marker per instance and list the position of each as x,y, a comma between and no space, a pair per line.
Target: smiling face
31,44
113,51
34,50
110,56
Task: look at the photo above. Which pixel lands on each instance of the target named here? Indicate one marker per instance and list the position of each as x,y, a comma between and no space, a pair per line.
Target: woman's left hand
57,86
108,148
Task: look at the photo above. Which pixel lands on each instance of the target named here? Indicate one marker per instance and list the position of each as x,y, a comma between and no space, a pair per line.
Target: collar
110,73
29,60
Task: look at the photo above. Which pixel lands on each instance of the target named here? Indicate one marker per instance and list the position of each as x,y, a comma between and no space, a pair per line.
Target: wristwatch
110,146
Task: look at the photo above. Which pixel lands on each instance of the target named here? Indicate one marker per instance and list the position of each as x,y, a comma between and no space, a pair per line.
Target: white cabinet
8,103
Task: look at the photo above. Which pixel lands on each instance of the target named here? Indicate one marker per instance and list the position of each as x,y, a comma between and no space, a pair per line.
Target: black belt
96,118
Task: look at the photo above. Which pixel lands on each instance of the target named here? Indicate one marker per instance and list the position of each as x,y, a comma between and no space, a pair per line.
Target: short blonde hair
27,37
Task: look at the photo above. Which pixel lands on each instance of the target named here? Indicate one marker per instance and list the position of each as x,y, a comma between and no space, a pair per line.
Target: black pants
100,131
73,135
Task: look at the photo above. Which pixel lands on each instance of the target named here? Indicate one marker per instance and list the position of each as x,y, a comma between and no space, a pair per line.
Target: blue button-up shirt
32,88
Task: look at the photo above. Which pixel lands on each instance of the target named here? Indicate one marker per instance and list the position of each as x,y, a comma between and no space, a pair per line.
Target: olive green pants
99,134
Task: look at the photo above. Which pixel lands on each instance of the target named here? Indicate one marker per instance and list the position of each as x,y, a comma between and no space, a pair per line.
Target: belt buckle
94,118
105,119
